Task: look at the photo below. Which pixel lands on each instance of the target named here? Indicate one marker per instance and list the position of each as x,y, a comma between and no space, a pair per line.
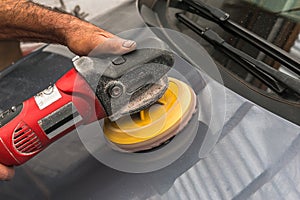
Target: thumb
114,46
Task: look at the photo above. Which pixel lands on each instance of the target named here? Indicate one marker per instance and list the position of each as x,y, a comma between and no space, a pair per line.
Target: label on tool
47,97
60,120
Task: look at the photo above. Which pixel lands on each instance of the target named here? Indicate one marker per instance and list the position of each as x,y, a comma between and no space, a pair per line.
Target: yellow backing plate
155,120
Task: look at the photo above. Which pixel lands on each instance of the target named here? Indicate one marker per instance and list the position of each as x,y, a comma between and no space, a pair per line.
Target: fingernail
128,43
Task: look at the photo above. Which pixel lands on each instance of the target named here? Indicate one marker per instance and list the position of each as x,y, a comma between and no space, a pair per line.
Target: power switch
10,114
119,60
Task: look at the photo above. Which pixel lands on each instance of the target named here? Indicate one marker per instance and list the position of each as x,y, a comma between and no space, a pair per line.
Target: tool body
95,88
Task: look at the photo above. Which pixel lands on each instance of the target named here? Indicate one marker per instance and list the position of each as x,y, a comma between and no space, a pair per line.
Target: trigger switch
119,60
10,114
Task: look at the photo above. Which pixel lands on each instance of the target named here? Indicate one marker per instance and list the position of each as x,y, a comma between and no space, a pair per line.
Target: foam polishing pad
156,124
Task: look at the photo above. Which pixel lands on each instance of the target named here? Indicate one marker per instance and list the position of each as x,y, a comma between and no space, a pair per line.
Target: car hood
256,153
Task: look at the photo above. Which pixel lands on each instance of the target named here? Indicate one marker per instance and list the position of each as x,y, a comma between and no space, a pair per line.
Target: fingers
83,38
6,173
113,46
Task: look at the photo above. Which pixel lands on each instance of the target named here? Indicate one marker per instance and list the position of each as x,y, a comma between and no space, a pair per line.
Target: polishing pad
155,125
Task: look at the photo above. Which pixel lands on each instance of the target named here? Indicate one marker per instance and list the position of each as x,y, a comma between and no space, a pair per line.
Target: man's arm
27,21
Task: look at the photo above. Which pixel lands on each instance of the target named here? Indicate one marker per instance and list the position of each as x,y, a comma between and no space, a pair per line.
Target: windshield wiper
274,79
222,19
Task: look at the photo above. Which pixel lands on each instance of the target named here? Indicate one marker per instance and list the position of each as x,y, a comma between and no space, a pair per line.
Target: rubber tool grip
30,127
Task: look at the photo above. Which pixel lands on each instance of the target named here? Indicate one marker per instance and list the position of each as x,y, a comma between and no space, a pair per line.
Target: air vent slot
25,140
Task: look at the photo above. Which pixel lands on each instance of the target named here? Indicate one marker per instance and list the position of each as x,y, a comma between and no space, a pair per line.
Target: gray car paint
256,157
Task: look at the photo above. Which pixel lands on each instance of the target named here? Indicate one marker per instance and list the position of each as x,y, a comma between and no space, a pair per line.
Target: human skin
27,21
6,173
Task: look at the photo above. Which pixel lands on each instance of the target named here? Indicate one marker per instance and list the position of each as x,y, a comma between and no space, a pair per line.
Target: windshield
290,8
275,21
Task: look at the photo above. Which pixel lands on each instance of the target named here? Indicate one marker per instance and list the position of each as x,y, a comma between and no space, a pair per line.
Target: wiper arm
222,18
274,79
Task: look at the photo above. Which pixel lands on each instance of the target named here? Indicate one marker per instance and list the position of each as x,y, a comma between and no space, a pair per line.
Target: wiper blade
222,19
274,79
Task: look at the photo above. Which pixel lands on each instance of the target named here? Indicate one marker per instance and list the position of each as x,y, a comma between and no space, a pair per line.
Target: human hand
84,38
27,21
6,173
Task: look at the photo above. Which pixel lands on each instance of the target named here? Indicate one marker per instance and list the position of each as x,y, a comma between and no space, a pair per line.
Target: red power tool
94,89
